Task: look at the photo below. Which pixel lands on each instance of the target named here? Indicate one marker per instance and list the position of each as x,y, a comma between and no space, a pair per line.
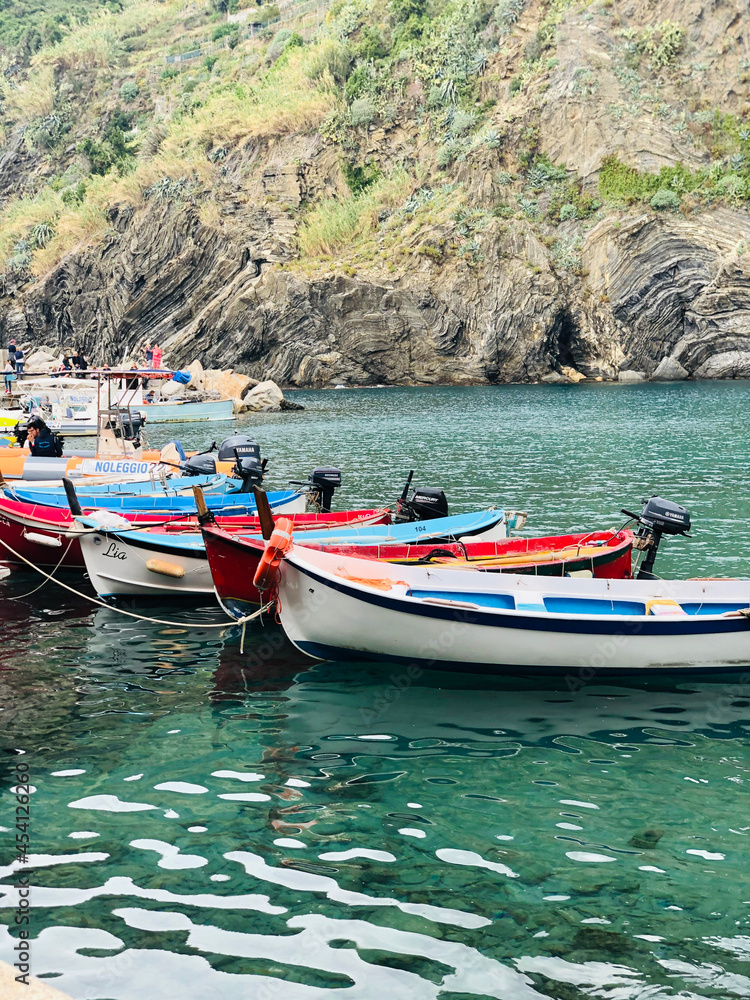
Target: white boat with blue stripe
345,608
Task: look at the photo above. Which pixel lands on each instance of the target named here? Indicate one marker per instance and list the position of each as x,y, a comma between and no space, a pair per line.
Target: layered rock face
653,289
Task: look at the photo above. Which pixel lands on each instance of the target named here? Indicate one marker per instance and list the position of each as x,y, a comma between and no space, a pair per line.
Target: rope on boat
132,614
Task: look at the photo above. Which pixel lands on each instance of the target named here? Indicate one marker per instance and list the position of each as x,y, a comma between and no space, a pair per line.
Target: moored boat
346,608
235,559
47,536
121,560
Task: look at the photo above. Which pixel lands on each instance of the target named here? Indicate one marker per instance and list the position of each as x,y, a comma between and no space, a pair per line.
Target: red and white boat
234,560
48,536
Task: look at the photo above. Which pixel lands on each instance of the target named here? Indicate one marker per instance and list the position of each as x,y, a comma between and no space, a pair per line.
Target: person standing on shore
156,356
149,354
19,362
10,376
12,352
81,363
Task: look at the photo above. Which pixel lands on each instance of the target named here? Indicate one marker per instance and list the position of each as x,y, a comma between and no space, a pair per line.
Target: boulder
167,389
230,384
196,375
264,396
728,364
631,376
555,378
42,361
240,406
572,374
669,370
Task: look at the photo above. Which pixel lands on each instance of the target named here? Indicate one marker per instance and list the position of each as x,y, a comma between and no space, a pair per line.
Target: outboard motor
131,426
200,465
658,517
425,503
250,470
238,446
320,487
20,432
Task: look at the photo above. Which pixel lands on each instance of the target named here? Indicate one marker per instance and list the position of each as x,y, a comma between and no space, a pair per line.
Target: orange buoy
278,545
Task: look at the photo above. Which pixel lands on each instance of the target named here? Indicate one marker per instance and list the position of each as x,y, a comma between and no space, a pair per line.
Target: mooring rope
132,614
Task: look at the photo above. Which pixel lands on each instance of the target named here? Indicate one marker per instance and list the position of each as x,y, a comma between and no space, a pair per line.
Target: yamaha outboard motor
320,487
200,465
425,503
238,446
658,517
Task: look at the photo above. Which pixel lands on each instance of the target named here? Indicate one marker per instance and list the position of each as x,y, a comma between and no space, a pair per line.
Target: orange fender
278,545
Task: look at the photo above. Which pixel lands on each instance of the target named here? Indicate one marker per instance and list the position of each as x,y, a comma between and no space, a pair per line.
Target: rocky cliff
572,198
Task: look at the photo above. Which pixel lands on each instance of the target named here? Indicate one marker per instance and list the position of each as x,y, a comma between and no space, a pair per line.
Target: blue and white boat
234,504
184,411
121,560
214,484
345,608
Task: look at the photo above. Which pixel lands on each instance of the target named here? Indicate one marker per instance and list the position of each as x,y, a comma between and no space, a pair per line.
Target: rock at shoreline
669,370
264,396
729,364
230,384
631,376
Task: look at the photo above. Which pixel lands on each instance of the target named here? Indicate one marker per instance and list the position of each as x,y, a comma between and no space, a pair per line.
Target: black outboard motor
249,469
323,482
320,487
658,517
425,503
21,432
238,446
200,465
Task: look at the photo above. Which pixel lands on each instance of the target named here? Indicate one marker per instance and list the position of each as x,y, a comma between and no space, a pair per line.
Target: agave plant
41,234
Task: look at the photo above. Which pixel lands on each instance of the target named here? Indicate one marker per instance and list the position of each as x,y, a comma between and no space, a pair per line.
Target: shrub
568,211
463,121
129,91
371,45
403,10
279,43
40,234
662,42
359,178
74,195
209,62
516,84
362,111
566,253
507,13
665,200
222,30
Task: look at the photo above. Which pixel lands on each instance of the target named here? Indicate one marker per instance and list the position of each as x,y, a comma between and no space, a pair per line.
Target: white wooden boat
347,608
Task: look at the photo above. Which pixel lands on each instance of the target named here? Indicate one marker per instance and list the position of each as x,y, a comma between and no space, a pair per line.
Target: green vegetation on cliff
427,124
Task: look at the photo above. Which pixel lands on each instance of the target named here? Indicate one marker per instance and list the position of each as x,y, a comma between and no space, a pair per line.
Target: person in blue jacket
43,442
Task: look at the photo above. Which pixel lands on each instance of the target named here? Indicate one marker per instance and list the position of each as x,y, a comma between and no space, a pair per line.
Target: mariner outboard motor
320,487
658,517
424,504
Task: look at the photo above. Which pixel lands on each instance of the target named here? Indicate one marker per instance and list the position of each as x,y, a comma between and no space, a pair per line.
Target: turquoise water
211,824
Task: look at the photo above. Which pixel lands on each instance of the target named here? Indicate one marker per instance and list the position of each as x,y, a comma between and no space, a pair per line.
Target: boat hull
329,612
117,565
234,560
40,533
174,413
